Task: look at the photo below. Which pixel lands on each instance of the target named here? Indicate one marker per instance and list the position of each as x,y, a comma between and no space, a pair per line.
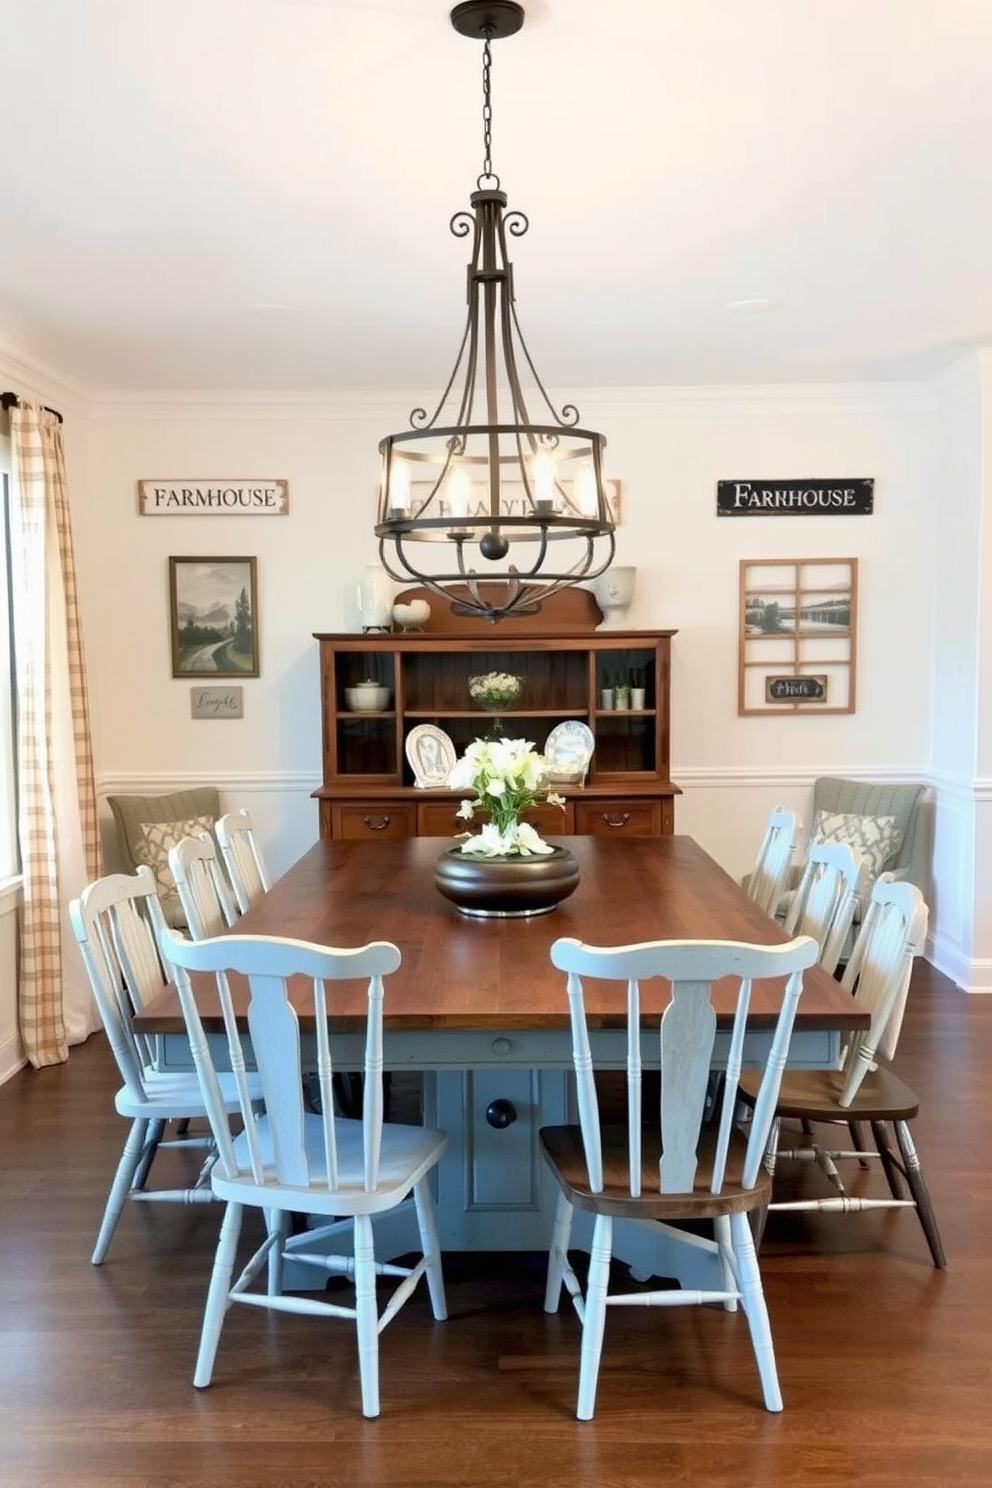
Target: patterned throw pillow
876,838
153,848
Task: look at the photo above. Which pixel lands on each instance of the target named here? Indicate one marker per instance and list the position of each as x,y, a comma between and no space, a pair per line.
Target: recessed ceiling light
751,307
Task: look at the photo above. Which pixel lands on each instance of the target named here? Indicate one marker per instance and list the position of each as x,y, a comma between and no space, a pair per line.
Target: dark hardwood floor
885,1364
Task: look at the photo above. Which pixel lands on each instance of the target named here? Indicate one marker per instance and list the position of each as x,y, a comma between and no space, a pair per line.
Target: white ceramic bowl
417,612
366,698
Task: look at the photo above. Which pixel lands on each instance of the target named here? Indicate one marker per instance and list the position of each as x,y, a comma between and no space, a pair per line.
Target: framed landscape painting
214,612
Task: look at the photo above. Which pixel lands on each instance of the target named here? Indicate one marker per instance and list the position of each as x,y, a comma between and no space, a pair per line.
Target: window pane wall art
798,634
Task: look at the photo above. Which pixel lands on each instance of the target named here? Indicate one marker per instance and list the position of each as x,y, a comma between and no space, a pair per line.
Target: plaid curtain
57,818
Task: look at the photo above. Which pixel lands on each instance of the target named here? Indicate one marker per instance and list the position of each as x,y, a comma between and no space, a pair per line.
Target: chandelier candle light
484,506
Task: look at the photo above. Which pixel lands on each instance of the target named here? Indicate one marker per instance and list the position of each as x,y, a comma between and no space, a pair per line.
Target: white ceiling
255,194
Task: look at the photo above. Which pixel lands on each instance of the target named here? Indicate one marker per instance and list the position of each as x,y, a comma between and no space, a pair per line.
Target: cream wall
668,447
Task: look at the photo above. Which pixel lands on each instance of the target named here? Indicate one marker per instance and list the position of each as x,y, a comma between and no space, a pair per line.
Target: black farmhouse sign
847,497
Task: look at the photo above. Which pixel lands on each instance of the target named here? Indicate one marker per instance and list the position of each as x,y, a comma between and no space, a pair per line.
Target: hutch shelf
368,786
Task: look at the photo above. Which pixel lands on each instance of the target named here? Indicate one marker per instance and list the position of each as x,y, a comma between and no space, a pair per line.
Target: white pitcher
375,598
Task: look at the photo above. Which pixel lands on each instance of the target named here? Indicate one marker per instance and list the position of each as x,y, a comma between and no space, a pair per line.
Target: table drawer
438,819
373,819
634,816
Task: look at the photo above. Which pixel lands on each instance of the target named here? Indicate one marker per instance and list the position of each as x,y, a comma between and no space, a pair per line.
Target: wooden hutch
368,786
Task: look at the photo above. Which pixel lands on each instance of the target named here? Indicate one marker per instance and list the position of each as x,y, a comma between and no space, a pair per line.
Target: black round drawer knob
501,1113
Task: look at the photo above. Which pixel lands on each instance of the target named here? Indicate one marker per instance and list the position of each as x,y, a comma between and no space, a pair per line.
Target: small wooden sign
213,498
837,497
793,689
216,702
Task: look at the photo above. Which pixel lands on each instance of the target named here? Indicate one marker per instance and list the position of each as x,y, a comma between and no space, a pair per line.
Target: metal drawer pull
619,820
376,824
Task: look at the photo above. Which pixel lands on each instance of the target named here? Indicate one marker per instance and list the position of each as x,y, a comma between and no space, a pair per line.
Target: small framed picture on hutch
214,617
797,635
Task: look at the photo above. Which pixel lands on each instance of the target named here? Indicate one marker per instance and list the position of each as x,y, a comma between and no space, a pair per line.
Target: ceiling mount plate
495,18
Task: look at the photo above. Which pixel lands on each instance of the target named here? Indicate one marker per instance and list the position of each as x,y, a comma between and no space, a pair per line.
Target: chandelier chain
487,111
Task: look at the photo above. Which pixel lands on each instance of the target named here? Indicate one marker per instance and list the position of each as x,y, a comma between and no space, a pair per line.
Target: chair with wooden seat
242,856
766,882
865,1093
111,925
205,895
293,1160
825,901
671,1164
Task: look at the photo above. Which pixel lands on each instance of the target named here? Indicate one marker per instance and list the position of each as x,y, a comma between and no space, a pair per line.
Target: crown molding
27,375
345,405
394,406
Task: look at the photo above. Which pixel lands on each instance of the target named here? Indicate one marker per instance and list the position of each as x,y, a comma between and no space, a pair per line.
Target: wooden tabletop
462,974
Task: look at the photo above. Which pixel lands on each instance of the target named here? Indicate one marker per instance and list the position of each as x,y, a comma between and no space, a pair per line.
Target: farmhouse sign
213,498
839,497
792,689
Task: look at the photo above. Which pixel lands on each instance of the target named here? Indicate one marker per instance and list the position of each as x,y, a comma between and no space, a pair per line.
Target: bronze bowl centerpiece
506,887
506,870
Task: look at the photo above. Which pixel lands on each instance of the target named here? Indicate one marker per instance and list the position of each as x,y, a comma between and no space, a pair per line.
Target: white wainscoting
724,810
11,1048
283,812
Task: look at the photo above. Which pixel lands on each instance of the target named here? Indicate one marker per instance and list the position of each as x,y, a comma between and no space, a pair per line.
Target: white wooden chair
865,1091
243,859
109,921
291,1160
709,1171
206,898
766,882
826,899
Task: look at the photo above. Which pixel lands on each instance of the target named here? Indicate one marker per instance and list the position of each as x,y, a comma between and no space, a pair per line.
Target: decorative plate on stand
568,750
431,754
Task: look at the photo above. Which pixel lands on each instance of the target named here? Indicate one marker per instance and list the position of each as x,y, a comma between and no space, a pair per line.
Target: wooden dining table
477,1006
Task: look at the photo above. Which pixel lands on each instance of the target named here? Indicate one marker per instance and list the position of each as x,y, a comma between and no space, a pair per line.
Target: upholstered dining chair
670,1164
827,896
864,1092
766,882
147,826
290,1159
242,856
205,895
110,921
884,821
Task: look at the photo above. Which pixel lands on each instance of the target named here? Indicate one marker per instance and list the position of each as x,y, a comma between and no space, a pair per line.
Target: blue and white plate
569,749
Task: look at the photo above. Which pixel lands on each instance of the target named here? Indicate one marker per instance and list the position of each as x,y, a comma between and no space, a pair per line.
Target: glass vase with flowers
495,691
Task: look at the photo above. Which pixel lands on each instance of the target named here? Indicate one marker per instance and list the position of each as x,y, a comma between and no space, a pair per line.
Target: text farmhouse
850,497
213,498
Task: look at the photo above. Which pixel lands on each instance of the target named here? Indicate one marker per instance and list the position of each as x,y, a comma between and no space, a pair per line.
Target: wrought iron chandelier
479,503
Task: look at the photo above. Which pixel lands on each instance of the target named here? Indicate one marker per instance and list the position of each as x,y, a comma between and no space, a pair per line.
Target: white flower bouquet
507,775
495,690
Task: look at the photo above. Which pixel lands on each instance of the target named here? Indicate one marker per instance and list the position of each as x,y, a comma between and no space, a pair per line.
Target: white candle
459,489
399,489
544,483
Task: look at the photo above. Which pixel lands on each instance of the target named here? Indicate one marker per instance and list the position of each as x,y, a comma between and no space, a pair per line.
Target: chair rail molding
259,782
